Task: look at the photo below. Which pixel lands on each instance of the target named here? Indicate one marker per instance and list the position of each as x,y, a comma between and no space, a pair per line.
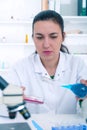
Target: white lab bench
46,121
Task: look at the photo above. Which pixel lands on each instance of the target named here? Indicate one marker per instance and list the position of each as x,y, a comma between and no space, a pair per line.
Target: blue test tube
55,128
83,127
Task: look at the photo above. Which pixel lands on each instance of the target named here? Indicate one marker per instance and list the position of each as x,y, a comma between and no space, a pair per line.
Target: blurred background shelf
16,23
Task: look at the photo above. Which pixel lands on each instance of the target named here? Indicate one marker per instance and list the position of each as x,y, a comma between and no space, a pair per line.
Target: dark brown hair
55,17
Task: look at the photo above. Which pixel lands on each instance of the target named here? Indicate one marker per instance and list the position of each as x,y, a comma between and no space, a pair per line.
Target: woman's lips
47,52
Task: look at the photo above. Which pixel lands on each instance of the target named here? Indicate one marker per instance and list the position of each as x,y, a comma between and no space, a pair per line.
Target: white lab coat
30,73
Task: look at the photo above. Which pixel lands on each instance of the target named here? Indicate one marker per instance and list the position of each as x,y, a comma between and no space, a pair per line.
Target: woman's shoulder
71,56
73,59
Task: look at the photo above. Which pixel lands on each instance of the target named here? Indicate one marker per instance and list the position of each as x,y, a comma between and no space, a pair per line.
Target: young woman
45,71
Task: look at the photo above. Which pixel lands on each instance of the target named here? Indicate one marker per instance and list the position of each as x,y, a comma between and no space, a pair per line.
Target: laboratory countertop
46,121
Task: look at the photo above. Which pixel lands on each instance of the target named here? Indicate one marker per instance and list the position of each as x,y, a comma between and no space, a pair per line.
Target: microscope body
12,97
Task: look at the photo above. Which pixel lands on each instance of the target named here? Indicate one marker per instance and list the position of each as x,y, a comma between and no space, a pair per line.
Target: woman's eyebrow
54,33
38,34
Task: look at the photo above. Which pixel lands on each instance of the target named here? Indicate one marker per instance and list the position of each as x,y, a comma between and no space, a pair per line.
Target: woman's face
47,37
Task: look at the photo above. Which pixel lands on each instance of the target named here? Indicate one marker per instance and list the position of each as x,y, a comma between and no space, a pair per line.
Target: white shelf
76,35
77,44
16,44
76,26
15,28
75,19
4,70
15,22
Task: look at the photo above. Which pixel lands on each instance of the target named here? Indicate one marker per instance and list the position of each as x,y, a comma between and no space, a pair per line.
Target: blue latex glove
80,90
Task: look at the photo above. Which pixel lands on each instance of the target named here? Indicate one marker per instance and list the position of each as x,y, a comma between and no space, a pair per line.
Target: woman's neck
51,66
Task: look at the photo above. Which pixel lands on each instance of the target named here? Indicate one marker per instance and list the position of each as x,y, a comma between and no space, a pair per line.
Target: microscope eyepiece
12,115
24,112
3,83
12,110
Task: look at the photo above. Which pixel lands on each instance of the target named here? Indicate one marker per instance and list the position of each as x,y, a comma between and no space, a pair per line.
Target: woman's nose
46,43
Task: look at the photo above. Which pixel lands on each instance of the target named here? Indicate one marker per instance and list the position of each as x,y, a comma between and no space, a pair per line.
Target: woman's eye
53,37
39,37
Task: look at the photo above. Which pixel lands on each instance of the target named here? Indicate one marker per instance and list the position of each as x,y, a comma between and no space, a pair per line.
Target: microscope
12,97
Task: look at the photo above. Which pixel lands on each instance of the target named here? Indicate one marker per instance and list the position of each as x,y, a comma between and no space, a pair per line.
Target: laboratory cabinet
16,28
75,24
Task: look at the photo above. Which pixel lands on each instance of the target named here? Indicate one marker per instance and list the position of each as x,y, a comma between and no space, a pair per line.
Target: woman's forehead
46,25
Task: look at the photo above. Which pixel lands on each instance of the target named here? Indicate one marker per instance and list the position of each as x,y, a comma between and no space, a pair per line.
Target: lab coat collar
62,66
39,68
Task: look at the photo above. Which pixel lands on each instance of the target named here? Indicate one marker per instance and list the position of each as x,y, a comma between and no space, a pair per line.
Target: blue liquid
80,90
